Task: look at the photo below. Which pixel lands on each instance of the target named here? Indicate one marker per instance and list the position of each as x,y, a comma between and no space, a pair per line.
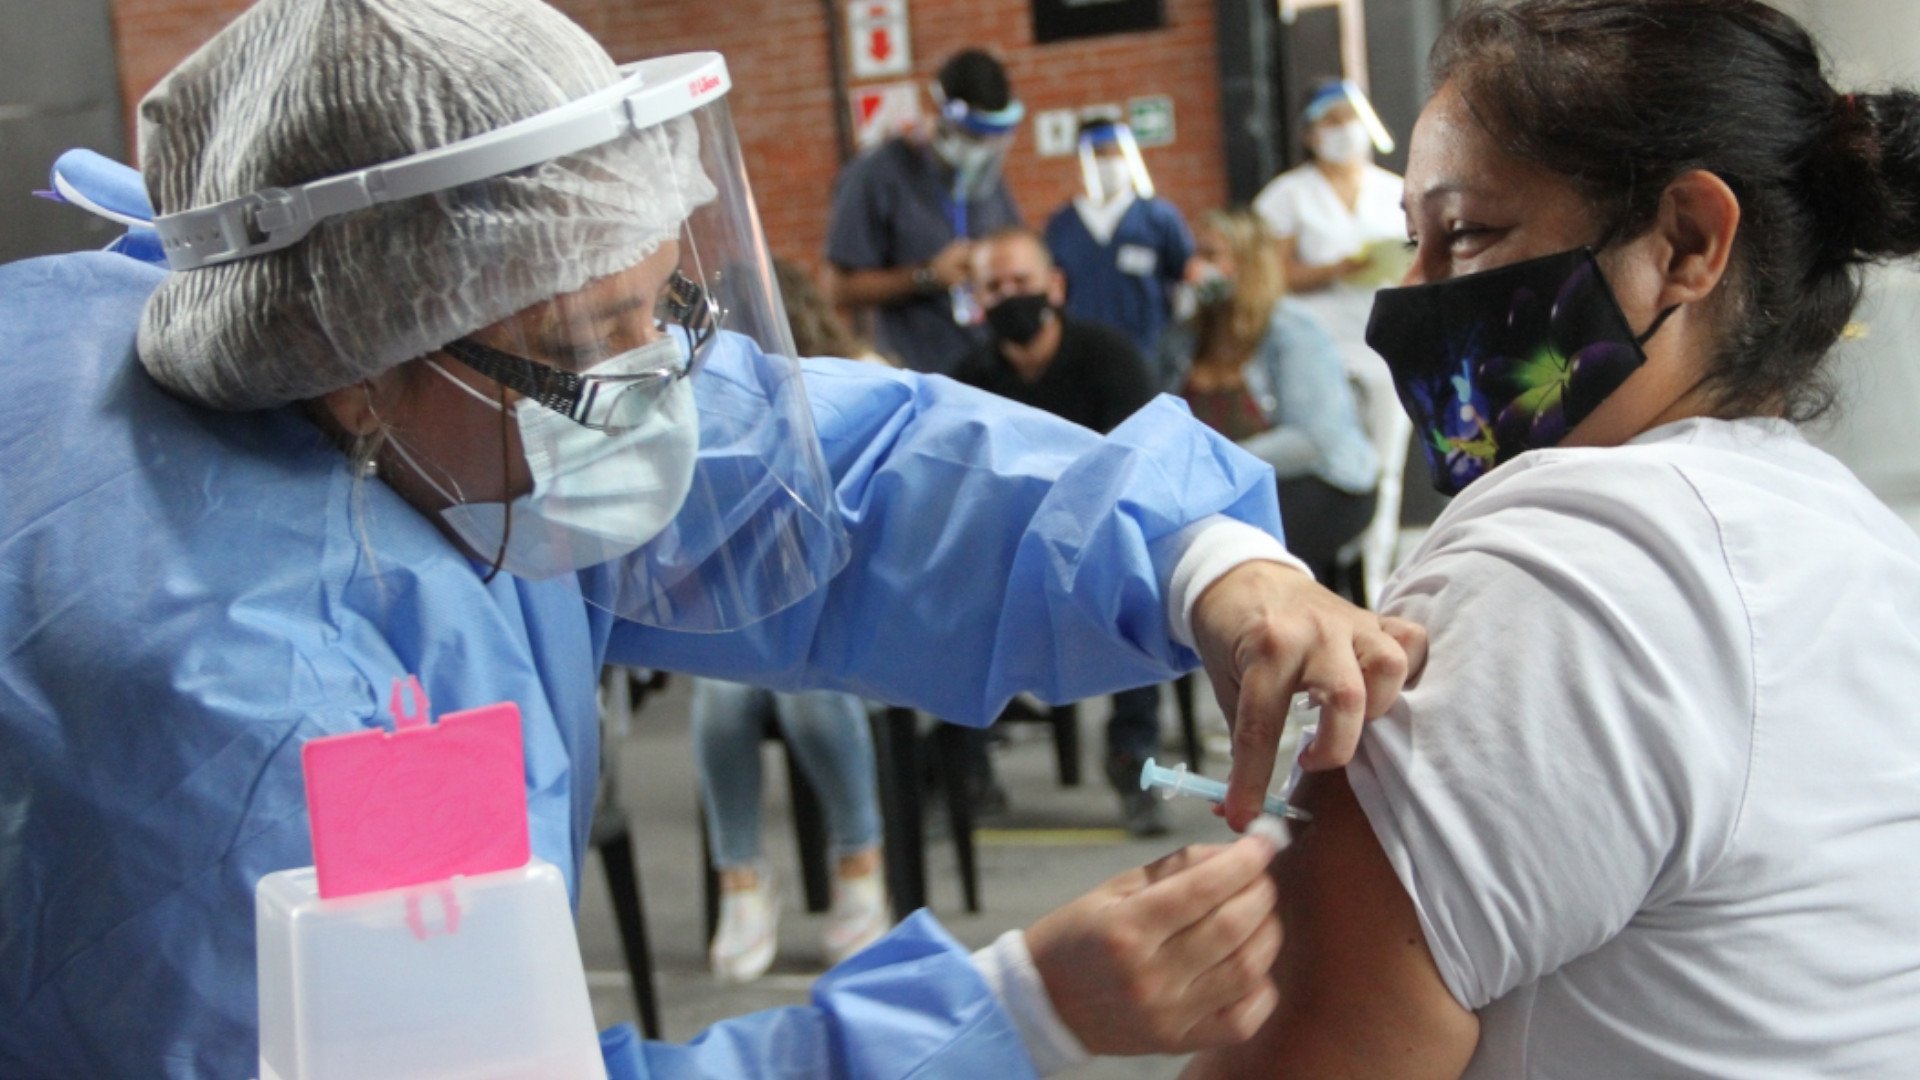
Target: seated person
1092,375
1652,810
827,733
1257,368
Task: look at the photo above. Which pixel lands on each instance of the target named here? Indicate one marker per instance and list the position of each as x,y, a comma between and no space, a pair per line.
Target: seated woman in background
826,732
1258,369
818,330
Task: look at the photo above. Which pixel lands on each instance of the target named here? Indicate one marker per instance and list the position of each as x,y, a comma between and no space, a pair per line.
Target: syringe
1178,781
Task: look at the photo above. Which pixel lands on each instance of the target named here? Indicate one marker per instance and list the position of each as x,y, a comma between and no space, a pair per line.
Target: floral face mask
1494,364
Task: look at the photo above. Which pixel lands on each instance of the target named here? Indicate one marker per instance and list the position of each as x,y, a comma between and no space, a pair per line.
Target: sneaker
1143,814
859,918
1140,811
743,947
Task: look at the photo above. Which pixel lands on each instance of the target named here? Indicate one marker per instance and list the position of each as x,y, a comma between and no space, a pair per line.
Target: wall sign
877,38
1060,20
1055,131
882,110
1151,119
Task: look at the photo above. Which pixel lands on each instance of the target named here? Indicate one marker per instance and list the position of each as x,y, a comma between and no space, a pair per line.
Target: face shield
974,142
1110,163
633,411
1366,129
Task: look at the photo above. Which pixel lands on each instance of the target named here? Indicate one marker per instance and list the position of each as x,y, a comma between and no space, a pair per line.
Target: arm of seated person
1360,994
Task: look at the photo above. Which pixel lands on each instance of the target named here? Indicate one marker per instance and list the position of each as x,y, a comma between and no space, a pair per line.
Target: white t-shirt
1656,795
1301,203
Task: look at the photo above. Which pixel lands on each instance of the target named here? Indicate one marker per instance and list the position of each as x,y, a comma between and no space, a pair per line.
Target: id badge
1136,259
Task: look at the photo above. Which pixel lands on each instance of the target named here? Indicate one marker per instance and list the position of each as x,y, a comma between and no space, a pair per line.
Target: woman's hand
1266,631
1170,958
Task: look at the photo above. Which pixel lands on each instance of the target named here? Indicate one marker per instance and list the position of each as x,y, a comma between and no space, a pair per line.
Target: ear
1698,218
1056,287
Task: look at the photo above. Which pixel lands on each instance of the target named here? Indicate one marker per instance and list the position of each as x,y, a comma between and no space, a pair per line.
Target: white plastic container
476,978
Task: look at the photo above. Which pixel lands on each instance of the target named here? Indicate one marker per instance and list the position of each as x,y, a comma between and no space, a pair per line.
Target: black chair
901,748
612,837
1065,720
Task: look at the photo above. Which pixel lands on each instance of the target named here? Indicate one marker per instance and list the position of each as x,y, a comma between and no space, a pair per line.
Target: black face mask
1018,319
1507,360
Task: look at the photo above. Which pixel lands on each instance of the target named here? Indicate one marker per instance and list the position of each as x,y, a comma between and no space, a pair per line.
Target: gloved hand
1168,958
1266,631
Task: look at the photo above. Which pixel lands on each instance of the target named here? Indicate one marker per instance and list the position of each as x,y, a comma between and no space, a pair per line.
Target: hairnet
298,90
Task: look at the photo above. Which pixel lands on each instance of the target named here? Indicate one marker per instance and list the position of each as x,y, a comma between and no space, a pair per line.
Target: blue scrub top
1126,283
893,206
187,596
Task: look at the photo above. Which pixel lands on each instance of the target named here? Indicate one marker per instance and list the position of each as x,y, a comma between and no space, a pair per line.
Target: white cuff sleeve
1008,969
1214,545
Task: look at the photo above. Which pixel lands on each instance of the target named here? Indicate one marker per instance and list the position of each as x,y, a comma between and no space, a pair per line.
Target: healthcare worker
466,364
1123,249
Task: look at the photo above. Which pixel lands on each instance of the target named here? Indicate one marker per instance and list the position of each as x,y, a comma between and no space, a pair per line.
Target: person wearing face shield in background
906,213
1338,225
1123,249
1330,212
450,394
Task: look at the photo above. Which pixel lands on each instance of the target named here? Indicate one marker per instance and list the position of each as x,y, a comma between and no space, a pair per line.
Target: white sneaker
744,945
859,918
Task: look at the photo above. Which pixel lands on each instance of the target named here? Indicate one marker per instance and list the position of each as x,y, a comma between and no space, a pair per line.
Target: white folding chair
1372,555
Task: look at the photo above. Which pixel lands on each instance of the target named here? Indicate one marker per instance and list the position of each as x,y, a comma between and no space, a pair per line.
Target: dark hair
1092,124
1624,96
975,77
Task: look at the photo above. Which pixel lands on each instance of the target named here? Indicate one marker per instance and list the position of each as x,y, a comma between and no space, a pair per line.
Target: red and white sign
877,37
883,109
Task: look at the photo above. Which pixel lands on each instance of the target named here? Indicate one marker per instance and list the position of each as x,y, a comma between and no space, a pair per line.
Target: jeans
827,732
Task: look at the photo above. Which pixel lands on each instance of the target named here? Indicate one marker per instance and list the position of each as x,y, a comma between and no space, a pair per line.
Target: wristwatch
924,282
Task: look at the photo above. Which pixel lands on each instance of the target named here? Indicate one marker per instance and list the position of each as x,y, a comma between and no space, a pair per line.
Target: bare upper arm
1360,995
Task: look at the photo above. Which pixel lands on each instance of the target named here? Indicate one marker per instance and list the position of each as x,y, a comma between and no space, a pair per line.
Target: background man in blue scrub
1122,248
904,214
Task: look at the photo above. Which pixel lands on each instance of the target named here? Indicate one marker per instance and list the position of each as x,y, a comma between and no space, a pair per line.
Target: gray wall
1876,429
59,88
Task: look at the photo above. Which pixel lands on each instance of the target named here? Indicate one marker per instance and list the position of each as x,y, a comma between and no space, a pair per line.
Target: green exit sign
1151,119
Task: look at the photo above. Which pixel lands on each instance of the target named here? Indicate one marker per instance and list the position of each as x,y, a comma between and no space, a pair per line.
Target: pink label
423,803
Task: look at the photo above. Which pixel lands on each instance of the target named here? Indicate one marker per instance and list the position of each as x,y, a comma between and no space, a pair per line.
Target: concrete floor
1072,830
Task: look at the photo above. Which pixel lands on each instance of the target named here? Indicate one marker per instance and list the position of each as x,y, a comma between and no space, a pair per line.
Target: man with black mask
1093,376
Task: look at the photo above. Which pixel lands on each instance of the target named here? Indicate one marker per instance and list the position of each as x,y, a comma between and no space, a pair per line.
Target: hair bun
1867,177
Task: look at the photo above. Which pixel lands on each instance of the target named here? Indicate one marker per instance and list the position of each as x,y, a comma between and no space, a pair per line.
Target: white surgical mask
1345,144
1114,176
596,496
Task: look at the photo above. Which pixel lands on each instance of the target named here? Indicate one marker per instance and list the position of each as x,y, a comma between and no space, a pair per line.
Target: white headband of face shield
651,93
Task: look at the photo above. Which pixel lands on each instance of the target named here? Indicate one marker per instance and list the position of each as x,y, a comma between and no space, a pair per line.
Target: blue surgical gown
187,596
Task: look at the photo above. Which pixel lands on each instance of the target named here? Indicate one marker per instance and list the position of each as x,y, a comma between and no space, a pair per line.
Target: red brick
782,102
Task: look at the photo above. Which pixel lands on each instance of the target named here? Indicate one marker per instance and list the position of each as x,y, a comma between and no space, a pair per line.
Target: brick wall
783,102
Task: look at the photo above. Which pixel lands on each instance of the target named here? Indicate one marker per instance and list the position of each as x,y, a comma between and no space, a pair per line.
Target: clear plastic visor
1110,164
649,428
